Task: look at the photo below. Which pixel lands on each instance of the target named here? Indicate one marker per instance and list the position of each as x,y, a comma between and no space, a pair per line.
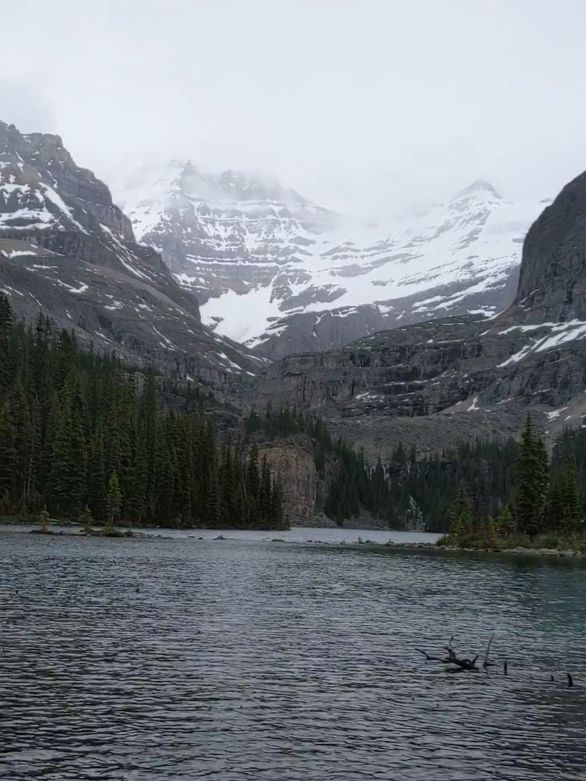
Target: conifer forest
80,433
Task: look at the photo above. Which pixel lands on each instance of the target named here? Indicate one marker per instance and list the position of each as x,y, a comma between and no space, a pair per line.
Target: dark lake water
236,660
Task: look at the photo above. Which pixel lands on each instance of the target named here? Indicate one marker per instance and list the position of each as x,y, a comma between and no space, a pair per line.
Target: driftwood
470,665
452,658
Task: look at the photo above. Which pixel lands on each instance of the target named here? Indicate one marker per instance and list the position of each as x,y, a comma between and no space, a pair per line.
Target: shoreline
227,535
560,553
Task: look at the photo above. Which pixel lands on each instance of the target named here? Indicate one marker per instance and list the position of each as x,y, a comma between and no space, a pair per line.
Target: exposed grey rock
66,249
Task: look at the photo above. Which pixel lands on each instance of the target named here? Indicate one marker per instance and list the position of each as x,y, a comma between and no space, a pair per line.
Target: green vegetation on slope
79,430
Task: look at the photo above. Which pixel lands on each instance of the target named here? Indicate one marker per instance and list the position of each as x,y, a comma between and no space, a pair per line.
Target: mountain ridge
67,249
440,382
287,278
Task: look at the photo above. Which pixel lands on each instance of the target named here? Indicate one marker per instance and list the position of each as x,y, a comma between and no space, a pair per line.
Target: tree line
503,482
544,500
83,434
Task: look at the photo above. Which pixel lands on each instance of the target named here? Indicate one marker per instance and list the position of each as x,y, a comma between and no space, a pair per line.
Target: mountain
67,249
220,233
443,381
283,275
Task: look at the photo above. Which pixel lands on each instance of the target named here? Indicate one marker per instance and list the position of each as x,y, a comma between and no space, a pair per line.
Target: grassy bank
546,544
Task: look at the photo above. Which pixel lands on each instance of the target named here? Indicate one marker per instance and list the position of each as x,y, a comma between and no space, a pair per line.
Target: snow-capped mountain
283,275
438,383
67,250
220,232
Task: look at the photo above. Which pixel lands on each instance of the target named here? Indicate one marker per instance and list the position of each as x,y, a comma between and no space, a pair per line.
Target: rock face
552,283
447,380
220,233
67,249
292,459
283,275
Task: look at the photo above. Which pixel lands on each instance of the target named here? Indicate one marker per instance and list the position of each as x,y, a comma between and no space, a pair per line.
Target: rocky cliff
292,460
446,380
67,249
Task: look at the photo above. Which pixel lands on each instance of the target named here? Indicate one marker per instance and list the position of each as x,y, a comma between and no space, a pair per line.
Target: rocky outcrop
439,382
292,460
66,249
305,489
552,282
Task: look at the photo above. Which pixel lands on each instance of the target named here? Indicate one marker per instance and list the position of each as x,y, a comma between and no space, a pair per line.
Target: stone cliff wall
292,460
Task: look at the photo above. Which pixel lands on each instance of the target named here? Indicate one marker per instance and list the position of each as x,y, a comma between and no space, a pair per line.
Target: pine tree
74,434
532,481
97,492
32,461
461,522
265,494
67,479
86,520
114,501
491,531
252,475
135,500
570,519
5,317
213,512
8,460
148,432
505,523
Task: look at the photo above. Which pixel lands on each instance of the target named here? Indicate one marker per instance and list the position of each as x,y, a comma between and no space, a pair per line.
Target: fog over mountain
370,108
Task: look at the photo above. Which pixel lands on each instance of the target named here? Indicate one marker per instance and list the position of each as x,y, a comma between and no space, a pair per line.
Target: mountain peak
478,187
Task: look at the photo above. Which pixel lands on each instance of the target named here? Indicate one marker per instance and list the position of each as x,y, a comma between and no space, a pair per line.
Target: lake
246,659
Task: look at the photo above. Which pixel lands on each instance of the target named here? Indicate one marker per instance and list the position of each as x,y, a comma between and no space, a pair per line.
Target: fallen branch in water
451,658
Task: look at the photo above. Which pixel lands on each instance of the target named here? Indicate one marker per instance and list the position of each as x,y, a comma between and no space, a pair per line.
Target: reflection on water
188,659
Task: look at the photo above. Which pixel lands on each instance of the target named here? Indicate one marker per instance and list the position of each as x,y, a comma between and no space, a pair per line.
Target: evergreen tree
67,478
461,521
570,519
532,481
114,501
265,494
86,520
505,523
97,493
8,461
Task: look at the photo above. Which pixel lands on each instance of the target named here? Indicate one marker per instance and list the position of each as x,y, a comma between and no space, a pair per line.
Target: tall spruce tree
532,481
8,461
461,520
114,500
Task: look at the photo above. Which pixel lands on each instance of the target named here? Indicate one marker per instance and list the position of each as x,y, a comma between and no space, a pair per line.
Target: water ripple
187,659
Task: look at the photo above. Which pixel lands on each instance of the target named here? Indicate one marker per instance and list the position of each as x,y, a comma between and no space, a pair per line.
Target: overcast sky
362,105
